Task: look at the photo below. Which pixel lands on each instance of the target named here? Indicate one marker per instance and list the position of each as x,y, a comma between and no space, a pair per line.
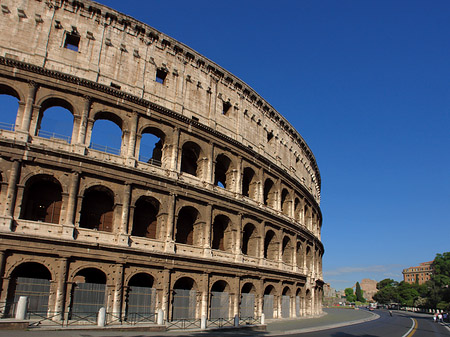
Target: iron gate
297,306
247,308
37,290
219,305
88,298
184,304
141,304
268,306
285,306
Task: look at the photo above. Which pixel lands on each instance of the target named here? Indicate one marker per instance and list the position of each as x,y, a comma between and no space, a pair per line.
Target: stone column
68,225
118,289
238,175
238,238
175,149
123,226
82,128
207,231
165,301
11,194
205,295
132,136
29,105
61,287
170,223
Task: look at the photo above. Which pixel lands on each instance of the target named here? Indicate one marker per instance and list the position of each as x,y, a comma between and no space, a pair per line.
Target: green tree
359,293
349,295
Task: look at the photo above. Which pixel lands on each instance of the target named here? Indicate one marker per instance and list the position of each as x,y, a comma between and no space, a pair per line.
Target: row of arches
42,201
103,128
86,289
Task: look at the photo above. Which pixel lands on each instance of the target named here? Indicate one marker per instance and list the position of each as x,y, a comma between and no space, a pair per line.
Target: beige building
210,206
369,288
419,274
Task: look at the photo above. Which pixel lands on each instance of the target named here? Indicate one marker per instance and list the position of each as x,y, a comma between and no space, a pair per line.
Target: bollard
263,319
236,320
203,322
21,310
160,317
101,318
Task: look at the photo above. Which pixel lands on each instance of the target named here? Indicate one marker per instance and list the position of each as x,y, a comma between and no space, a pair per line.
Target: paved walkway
332,318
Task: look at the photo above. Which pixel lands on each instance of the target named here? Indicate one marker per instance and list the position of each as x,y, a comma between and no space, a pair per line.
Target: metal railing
7,126
135,318
104,148
53,135
82,318
249,320
150,161
184,324
37,318
220,322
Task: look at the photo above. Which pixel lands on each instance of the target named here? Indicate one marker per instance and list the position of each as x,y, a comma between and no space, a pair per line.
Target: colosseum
208,208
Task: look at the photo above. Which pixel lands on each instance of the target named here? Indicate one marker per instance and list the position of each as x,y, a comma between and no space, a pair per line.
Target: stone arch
184,298
9,101
42,199
223,172
247,307
269,303
297,207
249,183
104,131
250,240
222,238
55,118
286,302
309,258
285,202
190,159
145,218
88,293
140,296
269,193
220,300
299,252
97,209
186,230
31,279
151,145
287,250
271,245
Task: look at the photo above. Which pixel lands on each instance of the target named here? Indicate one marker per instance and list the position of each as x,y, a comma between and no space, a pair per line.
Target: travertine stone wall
258,231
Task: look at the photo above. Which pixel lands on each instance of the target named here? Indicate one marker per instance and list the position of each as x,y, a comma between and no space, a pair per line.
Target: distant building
369,288
419,274
331,296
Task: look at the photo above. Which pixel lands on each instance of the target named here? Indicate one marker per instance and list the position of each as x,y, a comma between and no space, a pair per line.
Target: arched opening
308,302
269,303
221,233
189,158
187,218
97,209
184,301
298,301
285,202
269,193
220,300
151,146
223,172
29,279
42,199
106,135
9,103
270,246
250,240
247,306
309,258
141,298
297,209
145,218
249,186
88,292
287,250
307,216
286,303
55,120
300,258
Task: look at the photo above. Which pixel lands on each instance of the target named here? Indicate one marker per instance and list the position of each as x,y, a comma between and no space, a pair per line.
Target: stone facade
419,274
225,206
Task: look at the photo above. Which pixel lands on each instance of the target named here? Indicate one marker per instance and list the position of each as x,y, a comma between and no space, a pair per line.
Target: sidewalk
332,318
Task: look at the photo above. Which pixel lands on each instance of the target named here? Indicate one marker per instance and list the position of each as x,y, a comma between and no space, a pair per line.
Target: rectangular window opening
72,41
161,76
226,107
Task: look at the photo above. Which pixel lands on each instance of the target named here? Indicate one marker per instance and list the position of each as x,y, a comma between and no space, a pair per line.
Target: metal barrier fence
184,324
220,322
7,126
53,135
249,320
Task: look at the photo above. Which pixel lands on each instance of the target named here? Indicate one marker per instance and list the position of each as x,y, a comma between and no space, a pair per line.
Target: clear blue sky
366,83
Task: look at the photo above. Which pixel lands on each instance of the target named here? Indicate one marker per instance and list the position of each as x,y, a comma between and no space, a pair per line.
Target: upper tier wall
97,43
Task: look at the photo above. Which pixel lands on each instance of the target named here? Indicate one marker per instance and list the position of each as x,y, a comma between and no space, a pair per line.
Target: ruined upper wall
94,42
